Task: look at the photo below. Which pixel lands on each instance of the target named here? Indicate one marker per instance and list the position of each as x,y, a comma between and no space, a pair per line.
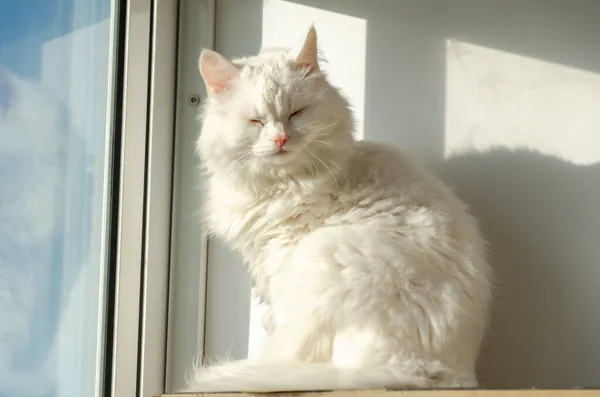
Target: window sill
412,393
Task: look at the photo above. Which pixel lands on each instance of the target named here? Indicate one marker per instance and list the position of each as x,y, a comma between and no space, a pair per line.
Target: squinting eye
297,112
257,122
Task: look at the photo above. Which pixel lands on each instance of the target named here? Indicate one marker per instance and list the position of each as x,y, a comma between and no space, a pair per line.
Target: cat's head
272,115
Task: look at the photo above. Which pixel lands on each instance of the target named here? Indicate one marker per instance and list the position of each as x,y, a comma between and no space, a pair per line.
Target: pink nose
280,140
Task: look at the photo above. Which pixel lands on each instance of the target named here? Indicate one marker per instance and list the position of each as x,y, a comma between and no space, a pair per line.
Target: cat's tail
262,377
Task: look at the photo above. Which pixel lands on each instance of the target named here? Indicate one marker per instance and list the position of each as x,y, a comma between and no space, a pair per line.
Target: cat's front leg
260,298
267,321
297,331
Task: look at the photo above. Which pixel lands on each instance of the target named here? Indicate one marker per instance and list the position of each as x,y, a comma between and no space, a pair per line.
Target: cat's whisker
310,165
348,177
328,126
315,164
237,160
321,129
297,94
337,186
324,143
317,169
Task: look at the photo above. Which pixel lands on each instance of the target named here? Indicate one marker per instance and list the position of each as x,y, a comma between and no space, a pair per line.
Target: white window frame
135,358
189,245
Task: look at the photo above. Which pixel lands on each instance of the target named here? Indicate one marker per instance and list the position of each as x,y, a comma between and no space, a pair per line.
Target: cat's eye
297,112
256,122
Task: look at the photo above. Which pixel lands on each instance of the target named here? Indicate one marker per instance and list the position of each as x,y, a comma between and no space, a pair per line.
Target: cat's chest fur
267,228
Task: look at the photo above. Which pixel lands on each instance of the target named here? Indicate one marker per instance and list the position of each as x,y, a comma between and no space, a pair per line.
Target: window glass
55,138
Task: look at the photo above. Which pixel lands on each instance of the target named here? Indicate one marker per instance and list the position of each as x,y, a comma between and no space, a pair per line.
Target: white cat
375,274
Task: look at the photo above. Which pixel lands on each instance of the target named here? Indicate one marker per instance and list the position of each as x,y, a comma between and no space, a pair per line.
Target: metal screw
194,100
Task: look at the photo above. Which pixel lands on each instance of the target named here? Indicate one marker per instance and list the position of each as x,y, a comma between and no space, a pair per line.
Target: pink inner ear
308,57
218,72
217,87
221,80
308,67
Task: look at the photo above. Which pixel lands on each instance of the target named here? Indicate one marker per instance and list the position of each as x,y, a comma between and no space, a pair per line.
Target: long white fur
374,273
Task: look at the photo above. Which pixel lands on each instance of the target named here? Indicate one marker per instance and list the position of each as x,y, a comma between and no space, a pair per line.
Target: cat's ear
218,73
308,56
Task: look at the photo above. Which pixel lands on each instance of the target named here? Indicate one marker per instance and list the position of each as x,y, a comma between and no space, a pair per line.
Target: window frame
189,243
143,157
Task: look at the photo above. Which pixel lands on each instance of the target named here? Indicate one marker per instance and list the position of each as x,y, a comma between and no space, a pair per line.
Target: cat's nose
280,139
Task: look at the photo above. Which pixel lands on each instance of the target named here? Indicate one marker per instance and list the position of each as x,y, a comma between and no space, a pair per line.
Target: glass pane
55,85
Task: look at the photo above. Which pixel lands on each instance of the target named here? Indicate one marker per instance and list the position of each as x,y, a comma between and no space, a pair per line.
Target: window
108,286
85,195
57,81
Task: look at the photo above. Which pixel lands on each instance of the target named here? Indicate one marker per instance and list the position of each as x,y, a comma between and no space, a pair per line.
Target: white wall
501,97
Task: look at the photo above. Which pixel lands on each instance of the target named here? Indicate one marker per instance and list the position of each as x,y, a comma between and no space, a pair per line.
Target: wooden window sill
412,393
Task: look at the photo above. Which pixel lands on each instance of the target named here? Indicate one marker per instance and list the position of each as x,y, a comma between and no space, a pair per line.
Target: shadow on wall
545,248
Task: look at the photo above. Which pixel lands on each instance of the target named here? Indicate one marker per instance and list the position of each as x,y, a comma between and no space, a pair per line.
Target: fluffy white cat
374,273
